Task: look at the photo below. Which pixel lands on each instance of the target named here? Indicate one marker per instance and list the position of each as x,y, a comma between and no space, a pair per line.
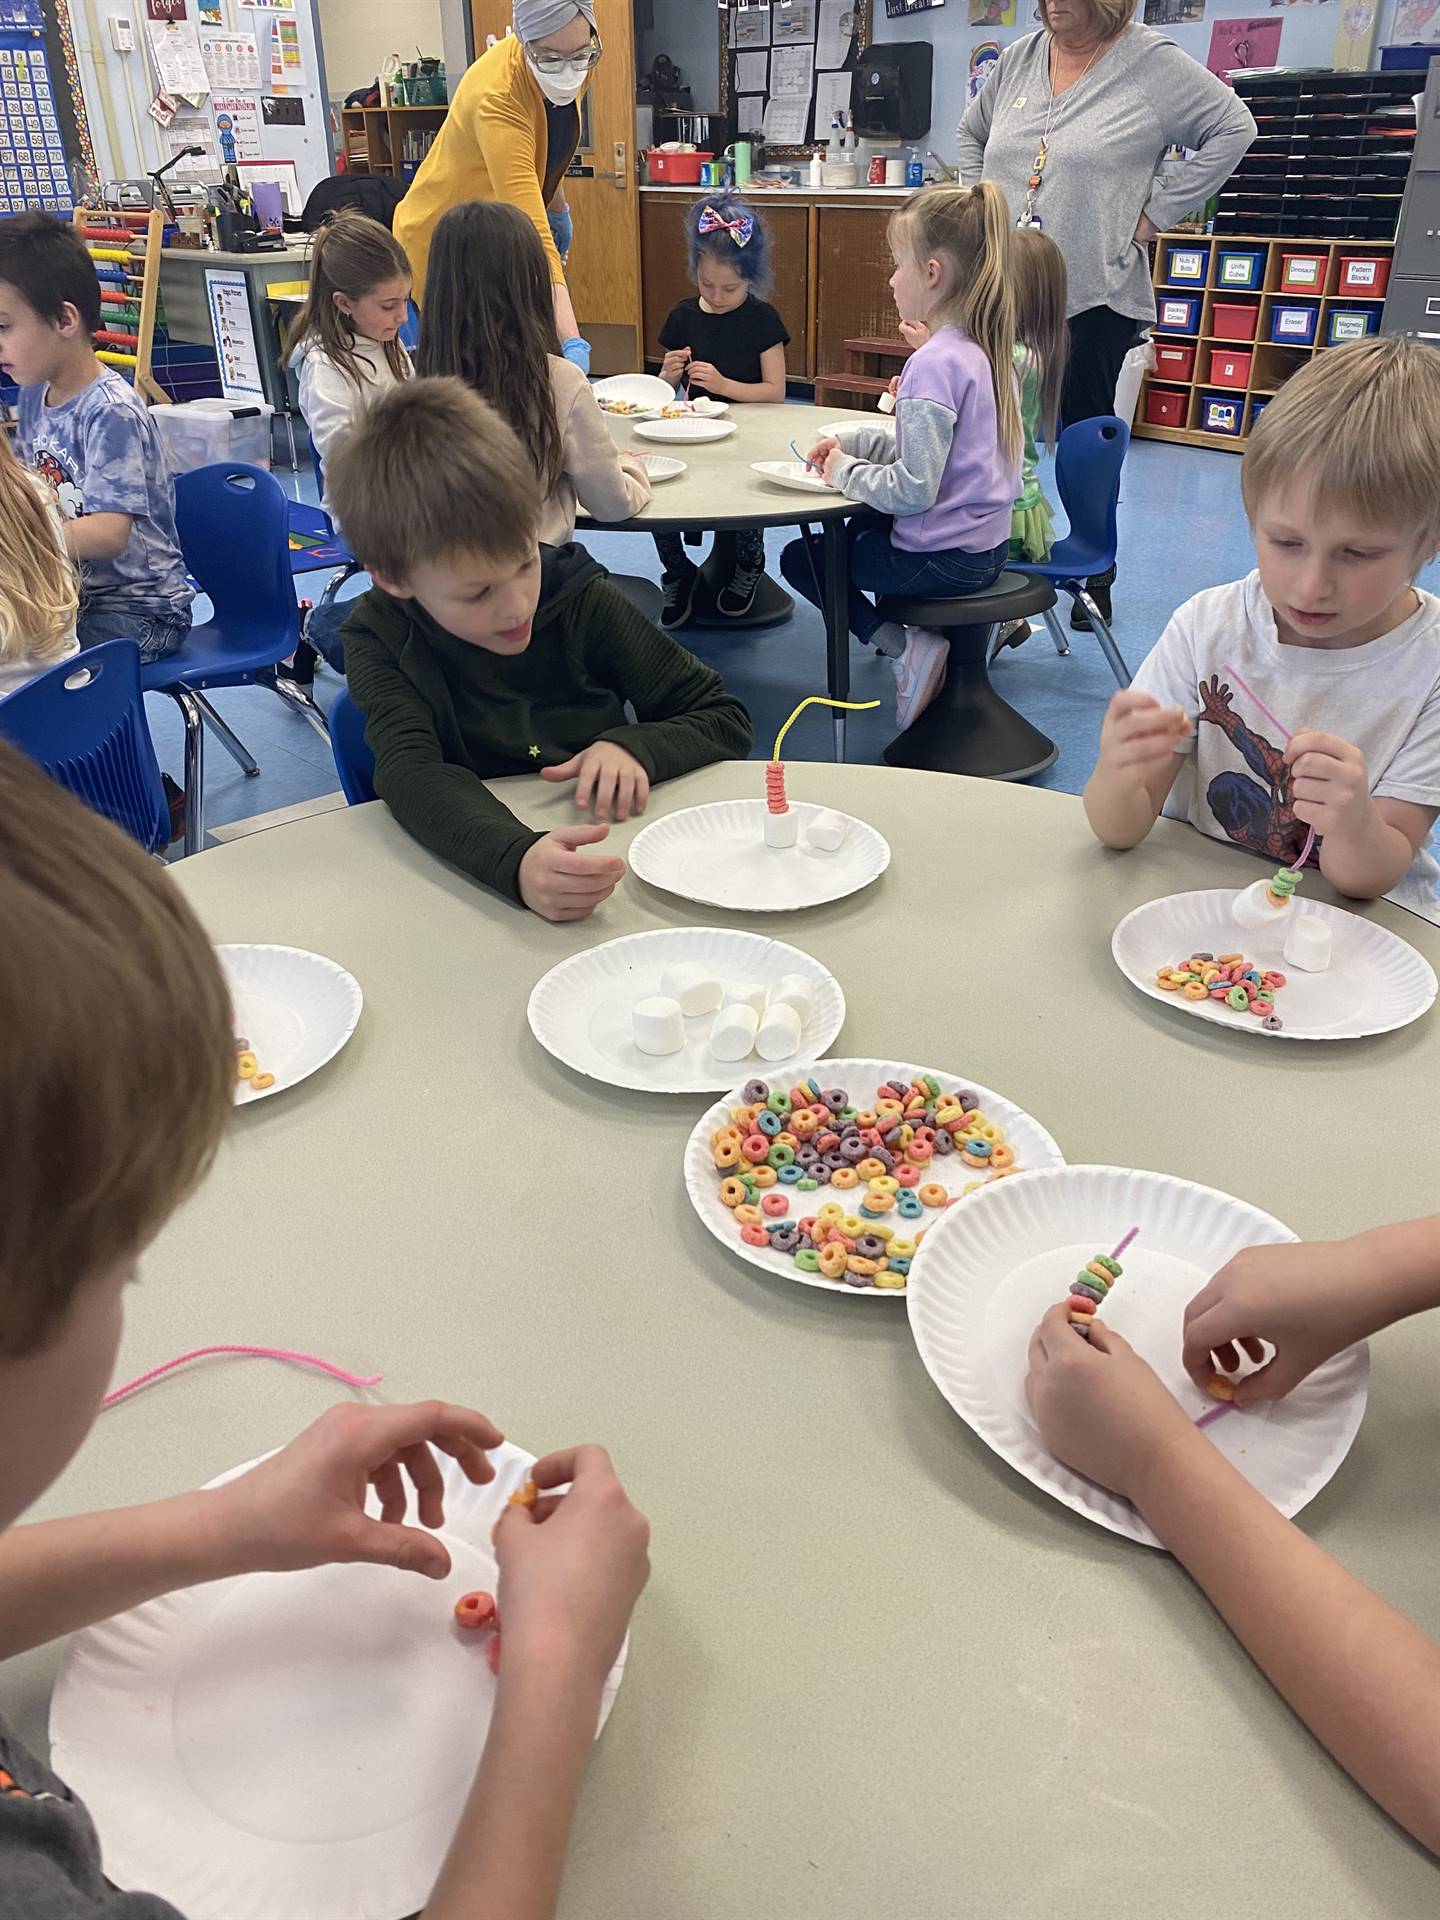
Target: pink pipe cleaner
256,1353
1254,697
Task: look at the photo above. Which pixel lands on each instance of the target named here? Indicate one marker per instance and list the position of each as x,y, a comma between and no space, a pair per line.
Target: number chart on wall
34,171
786,67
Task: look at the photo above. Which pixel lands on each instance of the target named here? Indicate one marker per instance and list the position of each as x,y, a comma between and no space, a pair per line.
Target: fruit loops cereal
525,1496
779,1148
1230,980
478,1613
247,1068
1089,1288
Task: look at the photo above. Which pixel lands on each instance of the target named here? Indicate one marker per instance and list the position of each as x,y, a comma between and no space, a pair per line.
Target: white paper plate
716,854
306,1740
645,390
988,1271
662,467
296,1009
837,427
792,474
708,409
580,1011
692,428
1375,981
1033,1148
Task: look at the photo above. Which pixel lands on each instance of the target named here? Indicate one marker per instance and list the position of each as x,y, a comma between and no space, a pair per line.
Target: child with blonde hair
490,321
950,474
1330,631
38,592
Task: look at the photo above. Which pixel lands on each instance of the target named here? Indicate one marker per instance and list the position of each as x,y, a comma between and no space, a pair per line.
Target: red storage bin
1302,272
1165,406
1229,368
1364,273
1174,360
1233,322
675,169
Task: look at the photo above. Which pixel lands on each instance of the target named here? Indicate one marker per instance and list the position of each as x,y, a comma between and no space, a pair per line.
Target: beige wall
359,33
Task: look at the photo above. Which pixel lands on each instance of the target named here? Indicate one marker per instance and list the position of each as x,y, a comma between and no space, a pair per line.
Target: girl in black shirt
728,343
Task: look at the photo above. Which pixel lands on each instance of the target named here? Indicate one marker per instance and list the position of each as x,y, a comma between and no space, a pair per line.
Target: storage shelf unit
1330,155
1271,362
391,140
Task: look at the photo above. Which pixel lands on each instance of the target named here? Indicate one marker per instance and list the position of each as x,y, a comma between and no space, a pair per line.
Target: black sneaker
175,801
1099,591
736,600
679,589
1015,634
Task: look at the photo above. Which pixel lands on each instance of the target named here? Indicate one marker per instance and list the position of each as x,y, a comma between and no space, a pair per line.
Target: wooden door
604,267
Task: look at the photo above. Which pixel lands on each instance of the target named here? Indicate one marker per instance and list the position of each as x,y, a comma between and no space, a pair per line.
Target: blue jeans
322,630
880,568
156,633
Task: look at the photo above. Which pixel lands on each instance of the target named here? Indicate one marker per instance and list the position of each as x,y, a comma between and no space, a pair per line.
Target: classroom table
719,491
187,306
876,1675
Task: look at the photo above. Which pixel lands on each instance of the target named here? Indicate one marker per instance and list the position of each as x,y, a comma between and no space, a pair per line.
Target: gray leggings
749,549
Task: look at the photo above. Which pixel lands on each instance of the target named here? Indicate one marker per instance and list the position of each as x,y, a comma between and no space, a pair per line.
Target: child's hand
1099,1407
559,882
1139,735
672,367
1329,784
572,1566
821,452
305,1506
831,464
1308,1302
608,775
915,333
894,386
710,378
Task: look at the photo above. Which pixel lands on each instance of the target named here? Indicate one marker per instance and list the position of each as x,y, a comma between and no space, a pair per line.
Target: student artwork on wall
1237,44
1416,20
801,53
992,13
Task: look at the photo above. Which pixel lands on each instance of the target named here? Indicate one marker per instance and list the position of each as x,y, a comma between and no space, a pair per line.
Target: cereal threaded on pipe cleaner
1090,1286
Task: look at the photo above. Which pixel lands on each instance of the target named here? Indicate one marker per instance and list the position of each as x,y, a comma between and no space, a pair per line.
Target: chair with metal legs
1087,477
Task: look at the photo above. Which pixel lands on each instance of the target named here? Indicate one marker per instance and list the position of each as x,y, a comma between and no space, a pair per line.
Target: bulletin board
45,151
786,66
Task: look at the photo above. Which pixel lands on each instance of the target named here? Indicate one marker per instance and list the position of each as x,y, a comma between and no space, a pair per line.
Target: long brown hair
38,594
489,320
1037,268
352,254
967,229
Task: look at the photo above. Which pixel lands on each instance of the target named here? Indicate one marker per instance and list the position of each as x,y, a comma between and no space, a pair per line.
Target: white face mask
560,85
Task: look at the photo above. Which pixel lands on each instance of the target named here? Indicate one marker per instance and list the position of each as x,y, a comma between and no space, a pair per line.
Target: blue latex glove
562,229
578,351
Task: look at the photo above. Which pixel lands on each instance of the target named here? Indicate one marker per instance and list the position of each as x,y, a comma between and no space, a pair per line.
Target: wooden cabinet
665,271
852,271
390,140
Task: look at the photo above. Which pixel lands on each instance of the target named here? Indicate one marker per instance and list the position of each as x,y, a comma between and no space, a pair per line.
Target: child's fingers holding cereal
1330,785
1139,733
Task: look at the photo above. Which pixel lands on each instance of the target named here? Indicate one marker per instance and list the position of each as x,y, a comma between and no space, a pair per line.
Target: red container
1229,368
1233,323
1302,272
1165,406
675,169
1364,273
1174,360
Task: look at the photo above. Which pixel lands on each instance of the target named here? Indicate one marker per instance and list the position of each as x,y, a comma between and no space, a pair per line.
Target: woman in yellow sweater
510,134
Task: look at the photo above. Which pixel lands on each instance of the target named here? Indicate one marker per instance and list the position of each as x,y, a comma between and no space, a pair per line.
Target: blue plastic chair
232,524
83,721
1087,475
354,761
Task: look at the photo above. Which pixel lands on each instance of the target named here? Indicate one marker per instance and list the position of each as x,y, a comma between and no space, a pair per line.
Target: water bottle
914,169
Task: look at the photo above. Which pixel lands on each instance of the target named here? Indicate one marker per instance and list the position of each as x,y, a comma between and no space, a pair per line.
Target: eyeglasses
548,61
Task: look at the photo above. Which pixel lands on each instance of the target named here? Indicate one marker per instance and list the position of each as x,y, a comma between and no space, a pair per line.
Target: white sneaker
918,673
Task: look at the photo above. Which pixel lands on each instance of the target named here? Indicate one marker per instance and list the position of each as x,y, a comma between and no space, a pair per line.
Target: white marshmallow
782,829
1253,908
732,1036
658,1025
792,990
695,989
744,995
826,832
1308,943
779,1035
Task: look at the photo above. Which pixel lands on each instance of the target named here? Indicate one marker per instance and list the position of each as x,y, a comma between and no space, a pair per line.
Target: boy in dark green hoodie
479,653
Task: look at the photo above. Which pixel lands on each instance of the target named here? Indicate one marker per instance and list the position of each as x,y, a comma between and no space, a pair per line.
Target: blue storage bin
1222,413
1241,269
1257,407
1350,323
1293,325
1177,313
1186,262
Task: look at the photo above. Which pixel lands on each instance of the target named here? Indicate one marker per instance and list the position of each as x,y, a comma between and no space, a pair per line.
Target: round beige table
720,491
876,1675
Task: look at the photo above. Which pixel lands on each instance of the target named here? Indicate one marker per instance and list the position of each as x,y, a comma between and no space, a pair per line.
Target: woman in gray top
1072,125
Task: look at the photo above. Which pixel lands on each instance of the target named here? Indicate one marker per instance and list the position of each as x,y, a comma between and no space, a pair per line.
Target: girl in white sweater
489,319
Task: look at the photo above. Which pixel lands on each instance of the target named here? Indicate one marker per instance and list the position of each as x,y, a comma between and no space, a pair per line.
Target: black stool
771,607
968,728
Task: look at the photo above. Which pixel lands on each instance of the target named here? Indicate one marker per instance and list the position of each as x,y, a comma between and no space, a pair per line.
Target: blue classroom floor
1181,528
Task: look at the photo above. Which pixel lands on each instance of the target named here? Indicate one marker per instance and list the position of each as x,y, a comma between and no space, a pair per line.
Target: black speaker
892,90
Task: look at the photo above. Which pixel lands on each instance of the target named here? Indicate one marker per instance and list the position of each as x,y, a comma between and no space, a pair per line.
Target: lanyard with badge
1028,215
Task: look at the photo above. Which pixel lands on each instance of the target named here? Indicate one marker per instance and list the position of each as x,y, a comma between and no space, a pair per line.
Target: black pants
749,549
1100,338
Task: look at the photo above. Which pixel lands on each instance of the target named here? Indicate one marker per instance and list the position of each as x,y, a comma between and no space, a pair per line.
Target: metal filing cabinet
1412,300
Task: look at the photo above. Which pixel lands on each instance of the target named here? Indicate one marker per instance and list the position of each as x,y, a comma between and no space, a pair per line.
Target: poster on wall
237,126
1416,20
750,27
228,298
286,67
1238,44
795,24
231,59
175,49
194,130
1177,13
268,6
983,56
992,13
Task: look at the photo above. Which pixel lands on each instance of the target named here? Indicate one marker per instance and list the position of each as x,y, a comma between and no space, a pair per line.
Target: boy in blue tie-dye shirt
88,433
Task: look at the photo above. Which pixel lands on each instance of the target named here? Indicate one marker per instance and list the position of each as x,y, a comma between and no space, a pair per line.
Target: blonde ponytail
38,594
967,229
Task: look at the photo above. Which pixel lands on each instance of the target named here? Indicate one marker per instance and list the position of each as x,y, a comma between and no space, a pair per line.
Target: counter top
206,257
862,192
